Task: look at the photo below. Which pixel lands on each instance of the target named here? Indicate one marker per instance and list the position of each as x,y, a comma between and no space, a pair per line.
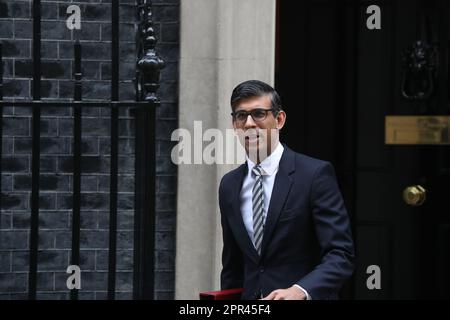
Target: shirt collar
270,164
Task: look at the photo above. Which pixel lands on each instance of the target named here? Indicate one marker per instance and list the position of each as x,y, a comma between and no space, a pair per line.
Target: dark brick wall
56,149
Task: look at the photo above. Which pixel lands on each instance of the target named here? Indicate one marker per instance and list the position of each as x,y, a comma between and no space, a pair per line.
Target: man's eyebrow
257,107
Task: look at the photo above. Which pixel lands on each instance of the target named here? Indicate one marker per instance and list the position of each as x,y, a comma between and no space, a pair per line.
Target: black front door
338,90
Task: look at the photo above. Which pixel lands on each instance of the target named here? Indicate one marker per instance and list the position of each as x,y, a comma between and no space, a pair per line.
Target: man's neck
270,150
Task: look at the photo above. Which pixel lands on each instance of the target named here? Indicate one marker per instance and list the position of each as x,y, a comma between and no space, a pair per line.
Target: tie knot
257,171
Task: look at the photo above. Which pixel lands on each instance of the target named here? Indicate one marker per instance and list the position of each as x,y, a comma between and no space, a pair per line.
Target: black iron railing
148,66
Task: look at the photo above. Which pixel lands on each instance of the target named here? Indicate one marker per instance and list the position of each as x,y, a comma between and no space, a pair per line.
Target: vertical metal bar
147,83
76,164
1,73
144,246
114,149
1,125
138,204
150,202
34,221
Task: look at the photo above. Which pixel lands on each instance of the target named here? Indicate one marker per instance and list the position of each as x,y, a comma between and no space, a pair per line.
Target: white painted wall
223,42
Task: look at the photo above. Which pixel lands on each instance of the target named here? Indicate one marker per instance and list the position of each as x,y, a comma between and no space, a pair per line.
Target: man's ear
281,119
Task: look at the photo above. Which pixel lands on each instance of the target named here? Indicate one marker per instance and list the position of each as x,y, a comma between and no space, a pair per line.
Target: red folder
228,294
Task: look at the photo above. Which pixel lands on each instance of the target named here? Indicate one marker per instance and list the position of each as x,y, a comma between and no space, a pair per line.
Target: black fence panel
148,66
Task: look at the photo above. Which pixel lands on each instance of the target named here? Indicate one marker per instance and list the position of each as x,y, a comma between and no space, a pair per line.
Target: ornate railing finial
149,64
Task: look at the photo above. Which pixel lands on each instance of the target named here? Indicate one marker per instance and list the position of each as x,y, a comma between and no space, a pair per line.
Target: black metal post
1,126
76,164
1,73
147,83
34,221
114,149
144,229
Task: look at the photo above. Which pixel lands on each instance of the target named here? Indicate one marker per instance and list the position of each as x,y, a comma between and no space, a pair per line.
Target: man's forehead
255,102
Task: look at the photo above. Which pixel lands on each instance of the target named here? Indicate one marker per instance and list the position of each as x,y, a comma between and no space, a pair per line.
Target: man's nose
249,122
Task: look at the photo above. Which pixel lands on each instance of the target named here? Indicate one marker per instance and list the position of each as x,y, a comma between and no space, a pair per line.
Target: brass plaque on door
417,129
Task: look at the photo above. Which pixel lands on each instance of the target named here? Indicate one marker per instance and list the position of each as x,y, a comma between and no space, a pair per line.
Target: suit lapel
242,235
280,191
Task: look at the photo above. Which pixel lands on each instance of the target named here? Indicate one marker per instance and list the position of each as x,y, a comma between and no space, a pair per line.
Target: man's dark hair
255,88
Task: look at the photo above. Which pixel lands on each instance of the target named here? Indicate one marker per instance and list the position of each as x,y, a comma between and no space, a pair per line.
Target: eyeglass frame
275,111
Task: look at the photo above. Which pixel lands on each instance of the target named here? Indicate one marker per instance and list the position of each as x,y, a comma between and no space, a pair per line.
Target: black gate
146,84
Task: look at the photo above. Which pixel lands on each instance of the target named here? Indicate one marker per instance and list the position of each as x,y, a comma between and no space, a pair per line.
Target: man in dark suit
286,232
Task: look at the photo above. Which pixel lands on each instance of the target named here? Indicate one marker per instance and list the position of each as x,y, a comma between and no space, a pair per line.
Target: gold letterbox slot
417,130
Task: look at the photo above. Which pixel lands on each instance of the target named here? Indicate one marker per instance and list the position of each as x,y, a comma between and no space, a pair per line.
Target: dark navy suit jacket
307,238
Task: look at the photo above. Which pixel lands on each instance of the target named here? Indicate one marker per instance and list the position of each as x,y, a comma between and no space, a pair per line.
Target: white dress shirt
269,168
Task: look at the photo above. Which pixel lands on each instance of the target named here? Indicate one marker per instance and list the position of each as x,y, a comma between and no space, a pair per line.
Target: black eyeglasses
258,115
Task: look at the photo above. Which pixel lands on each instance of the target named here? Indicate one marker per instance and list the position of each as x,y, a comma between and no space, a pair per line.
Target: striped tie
258,208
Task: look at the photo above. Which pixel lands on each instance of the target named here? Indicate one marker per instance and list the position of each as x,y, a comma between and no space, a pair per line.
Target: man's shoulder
231,175
307,169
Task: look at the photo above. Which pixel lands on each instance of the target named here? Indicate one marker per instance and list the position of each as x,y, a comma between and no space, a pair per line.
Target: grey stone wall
56,149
